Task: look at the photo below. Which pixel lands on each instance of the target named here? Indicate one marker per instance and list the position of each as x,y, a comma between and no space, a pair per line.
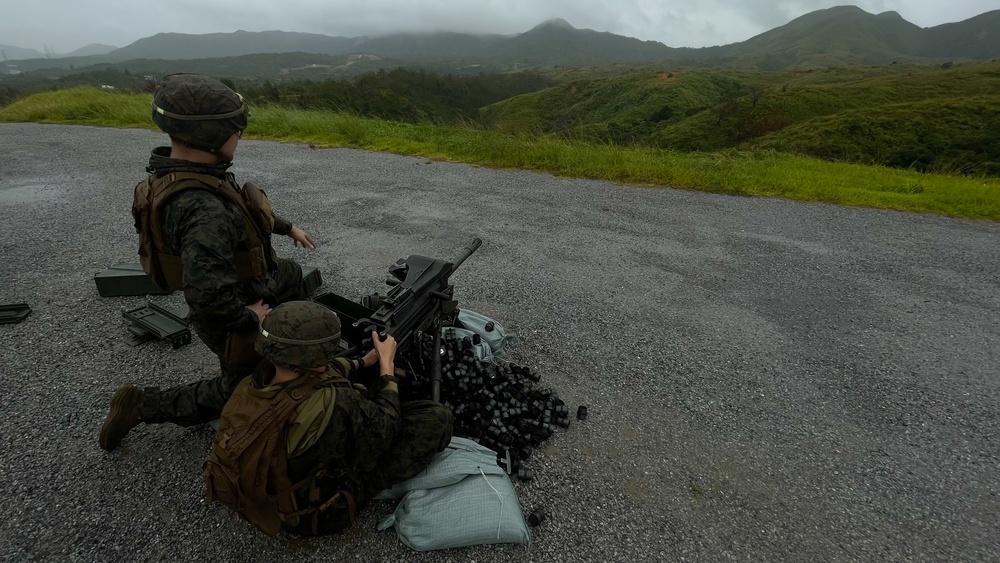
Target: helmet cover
198,110
299,334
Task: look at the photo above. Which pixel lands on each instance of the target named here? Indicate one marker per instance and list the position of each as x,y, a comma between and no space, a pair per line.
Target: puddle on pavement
34,193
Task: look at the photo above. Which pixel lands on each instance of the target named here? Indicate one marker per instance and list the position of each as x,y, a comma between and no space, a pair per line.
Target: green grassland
688,92
757,173
956,135
930,118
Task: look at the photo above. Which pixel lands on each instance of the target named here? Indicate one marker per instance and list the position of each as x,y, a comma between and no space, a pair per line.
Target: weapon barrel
466,252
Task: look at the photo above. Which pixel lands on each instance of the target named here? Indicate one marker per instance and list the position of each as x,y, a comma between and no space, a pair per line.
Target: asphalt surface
766,380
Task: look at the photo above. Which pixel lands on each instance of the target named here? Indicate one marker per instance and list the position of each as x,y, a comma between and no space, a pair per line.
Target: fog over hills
830,37
92,49
11,53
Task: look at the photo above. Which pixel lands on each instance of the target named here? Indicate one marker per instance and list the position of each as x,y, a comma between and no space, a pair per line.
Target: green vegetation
940,118
8,95
400,95
952,135
83,105
766,173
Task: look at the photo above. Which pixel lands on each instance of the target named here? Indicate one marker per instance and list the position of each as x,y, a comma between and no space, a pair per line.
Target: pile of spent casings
498,405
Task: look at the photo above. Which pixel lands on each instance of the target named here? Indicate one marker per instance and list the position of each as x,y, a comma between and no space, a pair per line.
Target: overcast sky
65,25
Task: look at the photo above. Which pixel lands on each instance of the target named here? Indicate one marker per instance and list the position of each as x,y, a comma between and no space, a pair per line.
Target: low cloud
697,24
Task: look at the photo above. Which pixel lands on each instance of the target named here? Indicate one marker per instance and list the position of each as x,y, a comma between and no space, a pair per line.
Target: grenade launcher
421,301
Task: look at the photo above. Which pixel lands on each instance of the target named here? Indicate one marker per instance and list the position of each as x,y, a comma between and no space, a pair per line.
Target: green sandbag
463,498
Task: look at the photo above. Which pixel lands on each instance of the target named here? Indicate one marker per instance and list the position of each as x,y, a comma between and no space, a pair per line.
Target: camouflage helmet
198,110
299,334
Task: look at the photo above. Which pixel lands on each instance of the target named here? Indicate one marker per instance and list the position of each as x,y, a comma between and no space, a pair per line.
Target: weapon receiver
422,299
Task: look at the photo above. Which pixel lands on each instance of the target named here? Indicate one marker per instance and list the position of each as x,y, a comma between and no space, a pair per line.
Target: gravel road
766,380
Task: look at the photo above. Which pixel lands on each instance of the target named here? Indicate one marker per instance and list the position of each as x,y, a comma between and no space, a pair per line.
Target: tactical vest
247,469
167,270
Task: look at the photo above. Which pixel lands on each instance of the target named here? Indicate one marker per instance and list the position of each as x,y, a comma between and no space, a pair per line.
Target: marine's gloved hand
302,237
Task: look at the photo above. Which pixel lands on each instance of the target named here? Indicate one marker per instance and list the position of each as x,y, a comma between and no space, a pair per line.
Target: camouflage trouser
425,430
201,401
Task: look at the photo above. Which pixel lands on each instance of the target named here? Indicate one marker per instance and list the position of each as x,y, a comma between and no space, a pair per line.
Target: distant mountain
443,44
554,42
849,35
844,35
174,46
974,38
555,22
840,35
11,53
17,53
91,50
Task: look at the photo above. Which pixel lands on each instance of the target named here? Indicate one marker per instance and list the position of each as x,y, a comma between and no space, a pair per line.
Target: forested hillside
942,117
400,95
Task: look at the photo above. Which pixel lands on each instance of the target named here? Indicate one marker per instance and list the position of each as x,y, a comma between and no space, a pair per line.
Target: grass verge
766,173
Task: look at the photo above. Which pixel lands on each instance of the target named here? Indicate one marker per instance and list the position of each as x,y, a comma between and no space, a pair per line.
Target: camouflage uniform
206,232
335,450
372,442
197,228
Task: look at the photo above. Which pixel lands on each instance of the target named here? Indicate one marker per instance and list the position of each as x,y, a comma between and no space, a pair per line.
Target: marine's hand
260,309
384,348
386,352
370,358
302,237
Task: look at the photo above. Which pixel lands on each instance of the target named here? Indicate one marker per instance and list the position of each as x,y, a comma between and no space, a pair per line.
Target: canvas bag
463,498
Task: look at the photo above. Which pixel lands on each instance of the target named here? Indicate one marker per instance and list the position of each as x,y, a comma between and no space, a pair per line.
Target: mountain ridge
829,37
13,53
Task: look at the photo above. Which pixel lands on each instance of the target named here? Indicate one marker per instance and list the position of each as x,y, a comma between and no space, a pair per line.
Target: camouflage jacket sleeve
282,226
364,427
208,235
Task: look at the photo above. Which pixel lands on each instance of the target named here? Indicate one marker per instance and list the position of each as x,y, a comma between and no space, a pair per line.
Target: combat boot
122,416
